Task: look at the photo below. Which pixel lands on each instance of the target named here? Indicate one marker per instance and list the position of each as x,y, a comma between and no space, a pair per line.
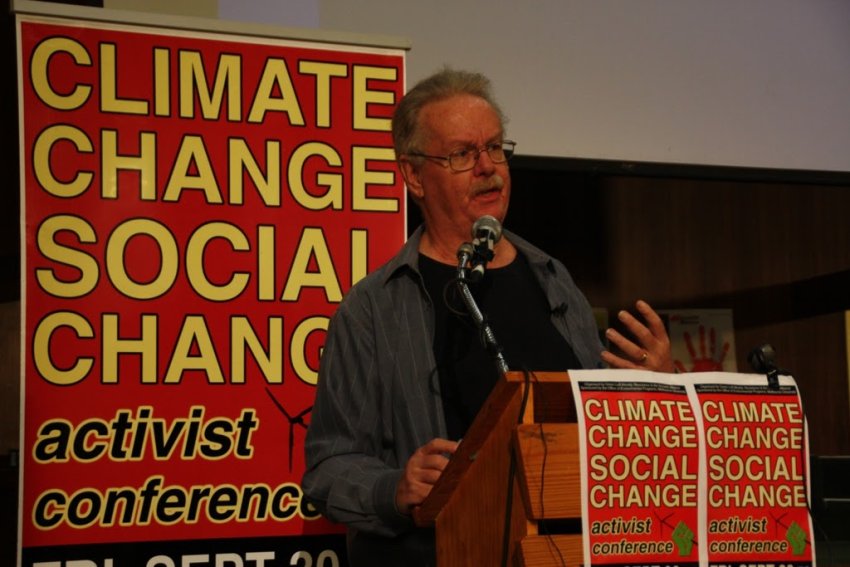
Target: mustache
495,181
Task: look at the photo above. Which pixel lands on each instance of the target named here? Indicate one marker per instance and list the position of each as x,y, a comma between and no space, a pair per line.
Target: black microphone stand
464,253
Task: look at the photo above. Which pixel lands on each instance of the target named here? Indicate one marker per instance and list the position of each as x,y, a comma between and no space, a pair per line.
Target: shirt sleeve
581,329
346,475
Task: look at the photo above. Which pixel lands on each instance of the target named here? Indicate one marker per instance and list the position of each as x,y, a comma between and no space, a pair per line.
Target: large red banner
195,206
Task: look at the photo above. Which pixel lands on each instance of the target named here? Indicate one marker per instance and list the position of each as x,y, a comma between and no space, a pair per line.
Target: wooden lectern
468,505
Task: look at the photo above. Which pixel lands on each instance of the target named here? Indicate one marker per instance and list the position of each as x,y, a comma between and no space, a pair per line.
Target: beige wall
199,8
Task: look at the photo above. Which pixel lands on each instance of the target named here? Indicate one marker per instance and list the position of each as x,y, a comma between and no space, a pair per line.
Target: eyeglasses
465,159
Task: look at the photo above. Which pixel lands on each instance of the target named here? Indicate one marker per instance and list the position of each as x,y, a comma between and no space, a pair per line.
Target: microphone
762,359
486,232
464,253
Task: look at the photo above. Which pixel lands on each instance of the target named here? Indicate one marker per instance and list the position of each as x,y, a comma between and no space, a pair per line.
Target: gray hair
407,134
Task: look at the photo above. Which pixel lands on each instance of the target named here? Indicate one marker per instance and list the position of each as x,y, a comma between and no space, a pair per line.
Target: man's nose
483,163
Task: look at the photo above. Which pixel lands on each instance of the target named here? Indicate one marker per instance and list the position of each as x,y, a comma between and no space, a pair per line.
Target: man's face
451,201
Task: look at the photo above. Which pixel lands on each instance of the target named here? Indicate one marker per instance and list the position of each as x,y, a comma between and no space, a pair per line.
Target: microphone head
762,359
487,227
465,251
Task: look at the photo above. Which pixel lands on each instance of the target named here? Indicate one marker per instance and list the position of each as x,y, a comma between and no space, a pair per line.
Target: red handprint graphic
707,360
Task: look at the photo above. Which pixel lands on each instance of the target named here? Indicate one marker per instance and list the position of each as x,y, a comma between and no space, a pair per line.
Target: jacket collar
408,257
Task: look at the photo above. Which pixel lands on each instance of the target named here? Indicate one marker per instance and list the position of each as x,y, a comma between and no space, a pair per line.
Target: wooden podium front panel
468,504
552,399
550,551
548,465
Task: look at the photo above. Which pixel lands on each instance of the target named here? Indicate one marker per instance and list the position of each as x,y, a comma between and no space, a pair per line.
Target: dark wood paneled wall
777,254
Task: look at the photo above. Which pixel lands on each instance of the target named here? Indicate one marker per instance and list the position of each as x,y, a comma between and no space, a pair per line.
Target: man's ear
410,173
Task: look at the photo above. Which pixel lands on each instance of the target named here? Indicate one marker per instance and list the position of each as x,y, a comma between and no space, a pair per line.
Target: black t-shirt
516,308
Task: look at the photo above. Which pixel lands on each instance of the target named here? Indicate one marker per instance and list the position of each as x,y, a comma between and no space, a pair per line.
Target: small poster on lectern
757,471
641,469
707,468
